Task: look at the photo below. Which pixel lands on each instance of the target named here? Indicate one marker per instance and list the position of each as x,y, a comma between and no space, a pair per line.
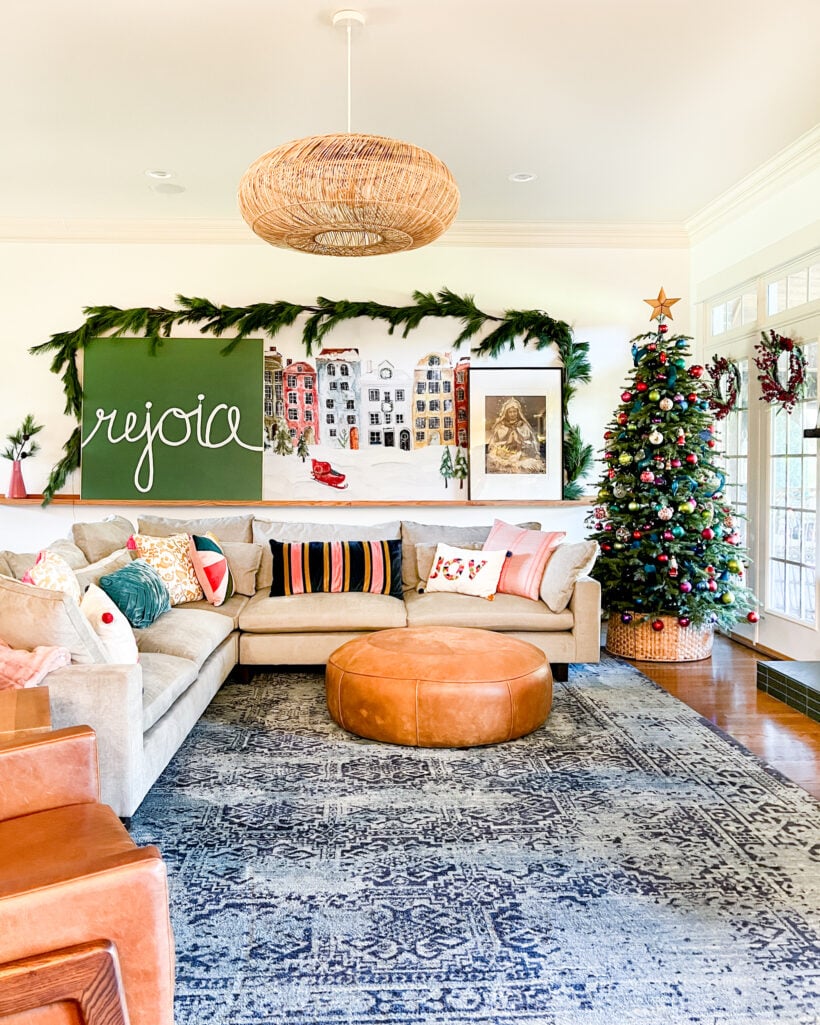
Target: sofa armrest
585,605
108,698
48,770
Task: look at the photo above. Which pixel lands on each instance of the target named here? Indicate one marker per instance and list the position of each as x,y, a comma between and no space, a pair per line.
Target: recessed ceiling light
159,174
522,176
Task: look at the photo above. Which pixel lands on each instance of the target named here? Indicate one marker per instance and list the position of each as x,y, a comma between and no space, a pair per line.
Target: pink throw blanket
21,668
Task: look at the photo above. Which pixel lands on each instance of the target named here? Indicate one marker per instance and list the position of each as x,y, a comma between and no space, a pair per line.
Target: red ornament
657,624
710,570
691,397
712,585
626,396
611,474
663,557
637,535
641,386
652,346
607,435
606,548
696,370
708,534
662,357
752,617
684,621
692,459
623,418
662,329
711,443
107,617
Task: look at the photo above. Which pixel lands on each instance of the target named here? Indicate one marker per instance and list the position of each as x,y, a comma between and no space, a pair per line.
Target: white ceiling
627,110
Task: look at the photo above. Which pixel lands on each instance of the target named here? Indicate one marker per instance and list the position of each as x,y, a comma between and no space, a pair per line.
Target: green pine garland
531,327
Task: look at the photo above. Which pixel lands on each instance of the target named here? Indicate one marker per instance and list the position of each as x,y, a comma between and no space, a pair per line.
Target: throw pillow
54,573
425,553
564,566
530,550
138,591
111,627
336,566
464,571
171,558
211,568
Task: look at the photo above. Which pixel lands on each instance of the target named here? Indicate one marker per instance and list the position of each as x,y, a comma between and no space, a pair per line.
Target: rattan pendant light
348,194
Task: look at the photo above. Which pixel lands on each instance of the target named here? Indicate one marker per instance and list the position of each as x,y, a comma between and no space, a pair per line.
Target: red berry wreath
723,394
770,349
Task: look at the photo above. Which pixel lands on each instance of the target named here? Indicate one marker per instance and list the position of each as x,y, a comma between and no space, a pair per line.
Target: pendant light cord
349,65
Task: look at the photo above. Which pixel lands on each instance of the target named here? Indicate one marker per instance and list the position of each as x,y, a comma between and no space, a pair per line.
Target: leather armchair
85,935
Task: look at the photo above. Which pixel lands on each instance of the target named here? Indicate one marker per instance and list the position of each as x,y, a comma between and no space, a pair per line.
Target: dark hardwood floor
723,689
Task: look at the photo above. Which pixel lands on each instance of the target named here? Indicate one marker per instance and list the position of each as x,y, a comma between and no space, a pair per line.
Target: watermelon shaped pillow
211,568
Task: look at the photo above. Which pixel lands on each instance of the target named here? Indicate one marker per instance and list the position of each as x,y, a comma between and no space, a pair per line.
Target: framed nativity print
515,434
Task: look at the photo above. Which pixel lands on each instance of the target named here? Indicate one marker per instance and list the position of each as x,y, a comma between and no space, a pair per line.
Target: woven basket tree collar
348,195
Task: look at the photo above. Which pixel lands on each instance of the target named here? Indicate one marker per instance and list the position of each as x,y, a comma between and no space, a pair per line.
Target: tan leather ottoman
430,686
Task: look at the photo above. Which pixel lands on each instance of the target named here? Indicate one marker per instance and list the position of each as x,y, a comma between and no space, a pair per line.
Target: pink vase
17,486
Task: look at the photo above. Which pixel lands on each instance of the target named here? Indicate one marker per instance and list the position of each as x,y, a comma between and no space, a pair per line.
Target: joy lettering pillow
462,571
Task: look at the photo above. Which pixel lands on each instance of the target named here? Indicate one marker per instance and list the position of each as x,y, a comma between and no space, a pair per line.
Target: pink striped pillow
530,549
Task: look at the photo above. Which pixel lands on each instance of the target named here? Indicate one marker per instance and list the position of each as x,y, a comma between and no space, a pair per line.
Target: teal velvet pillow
138,592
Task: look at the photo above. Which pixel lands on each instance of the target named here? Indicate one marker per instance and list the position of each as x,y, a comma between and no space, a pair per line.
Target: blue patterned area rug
627,863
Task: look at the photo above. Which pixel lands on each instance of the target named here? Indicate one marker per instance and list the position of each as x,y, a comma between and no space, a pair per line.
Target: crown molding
791,163
485,234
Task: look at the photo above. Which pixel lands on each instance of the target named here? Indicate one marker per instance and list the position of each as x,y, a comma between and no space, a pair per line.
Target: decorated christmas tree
671,563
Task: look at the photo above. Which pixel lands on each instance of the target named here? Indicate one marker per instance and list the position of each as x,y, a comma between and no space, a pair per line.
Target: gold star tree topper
661,307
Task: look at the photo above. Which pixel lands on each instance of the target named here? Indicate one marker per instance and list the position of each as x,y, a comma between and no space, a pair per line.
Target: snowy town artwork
367,429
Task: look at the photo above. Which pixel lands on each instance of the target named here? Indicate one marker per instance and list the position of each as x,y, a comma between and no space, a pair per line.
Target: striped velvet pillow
336,566
528,551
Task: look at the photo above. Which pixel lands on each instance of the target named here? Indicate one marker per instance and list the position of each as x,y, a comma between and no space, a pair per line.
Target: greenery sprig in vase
20,446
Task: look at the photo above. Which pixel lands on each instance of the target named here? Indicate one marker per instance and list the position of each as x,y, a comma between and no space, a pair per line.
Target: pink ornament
684,621
707,533
685,586
626,396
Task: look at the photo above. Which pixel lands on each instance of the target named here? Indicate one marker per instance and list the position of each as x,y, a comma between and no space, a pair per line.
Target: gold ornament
661,307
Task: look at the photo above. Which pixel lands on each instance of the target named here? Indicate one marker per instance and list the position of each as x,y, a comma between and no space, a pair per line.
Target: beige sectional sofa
142,713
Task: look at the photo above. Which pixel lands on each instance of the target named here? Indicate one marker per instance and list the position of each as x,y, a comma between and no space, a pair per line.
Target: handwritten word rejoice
172,428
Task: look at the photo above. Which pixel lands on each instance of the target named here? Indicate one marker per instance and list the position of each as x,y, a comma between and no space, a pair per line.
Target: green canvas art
184,424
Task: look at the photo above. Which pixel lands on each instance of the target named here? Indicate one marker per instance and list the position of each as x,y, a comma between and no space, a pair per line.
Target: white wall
599,291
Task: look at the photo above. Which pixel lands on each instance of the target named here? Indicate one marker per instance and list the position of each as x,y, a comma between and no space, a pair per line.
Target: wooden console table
24,710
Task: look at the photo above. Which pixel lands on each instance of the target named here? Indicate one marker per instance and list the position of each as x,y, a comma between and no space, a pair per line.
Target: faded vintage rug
627,863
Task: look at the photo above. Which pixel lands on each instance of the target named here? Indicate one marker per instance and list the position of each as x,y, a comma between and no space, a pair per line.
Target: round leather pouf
431,686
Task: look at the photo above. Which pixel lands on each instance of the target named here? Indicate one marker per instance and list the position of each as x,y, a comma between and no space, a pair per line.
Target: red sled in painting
325,474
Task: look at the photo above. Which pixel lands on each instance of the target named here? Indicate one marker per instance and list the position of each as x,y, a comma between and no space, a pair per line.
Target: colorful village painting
366,429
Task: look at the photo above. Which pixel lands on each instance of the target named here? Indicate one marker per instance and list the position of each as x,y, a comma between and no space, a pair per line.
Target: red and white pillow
529,552
111,627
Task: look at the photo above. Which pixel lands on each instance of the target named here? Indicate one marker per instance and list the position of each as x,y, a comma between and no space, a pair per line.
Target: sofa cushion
265,531
171,558
138,591
504,612
243,561
164,678
229,608
297,613
529,551
566,564
102,538
336,567
73,554
224,528
413,534
191,634
91,573
18,563
33,616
